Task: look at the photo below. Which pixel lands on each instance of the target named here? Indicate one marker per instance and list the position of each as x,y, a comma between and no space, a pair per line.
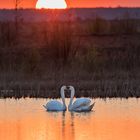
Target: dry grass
107,84
47,55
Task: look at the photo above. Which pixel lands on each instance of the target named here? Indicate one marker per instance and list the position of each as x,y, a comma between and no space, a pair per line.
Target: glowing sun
51,4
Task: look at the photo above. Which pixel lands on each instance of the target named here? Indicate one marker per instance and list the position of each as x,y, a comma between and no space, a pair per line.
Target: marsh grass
100,62
106,84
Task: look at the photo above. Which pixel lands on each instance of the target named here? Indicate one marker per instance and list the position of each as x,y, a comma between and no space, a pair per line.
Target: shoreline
98,91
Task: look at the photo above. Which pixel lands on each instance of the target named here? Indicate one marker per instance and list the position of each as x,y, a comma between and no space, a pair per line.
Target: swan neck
63,97
71,99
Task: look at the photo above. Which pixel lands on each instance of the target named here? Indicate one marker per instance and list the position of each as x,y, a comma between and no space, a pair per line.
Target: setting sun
51,4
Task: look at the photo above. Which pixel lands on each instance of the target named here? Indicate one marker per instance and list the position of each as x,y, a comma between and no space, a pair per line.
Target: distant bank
75,13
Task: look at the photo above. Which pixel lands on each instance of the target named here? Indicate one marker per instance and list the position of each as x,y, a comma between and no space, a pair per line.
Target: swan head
72,91
63,88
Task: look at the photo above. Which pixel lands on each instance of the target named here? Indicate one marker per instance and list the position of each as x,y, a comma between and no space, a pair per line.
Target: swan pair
80,105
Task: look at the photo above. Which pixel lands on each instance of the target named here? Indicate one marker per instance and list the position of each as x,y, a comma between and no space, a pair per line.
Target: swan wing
81,102
54,105
84,108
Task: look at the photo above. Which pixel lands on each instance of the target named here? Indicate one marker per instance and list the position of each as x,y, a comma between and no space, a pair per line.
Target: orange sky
76,3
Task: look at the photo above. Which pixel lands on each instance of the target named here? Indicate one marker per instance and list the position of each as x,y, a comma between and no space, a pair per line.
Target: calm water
113,119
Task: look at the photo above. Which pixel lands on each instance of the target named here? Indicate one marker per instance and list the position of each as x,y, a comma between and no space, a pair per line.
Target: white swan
81,104
55,105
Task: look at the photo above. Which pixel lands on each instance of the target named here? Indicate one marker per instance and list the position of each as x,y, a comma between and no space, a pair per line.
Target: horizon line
117,7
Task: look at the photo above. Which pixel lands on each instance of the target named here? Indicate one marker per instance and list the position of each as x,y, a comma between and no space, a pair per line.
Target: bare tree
16,4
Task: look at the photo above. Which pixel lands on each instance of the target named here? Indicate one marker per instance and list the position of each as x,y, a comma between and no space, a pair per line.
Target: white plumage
55,105
81,104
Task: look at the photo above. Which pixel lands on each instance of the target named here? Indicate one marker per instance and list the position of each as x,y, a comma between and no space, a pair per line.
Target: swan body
55,105
81,101
81,104
83,108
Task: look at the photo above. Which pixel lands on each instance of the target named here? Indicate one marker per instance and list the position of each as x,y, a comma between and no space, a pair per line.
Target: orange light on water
51,4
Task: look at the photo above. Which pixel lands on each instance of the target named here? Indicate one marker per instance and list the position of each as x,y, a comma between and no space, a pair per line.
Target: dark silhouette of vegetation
99,57
118,26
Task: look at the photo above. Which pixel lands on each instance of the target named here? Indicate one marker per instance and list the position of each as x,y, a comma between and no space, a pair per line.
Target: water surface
111,119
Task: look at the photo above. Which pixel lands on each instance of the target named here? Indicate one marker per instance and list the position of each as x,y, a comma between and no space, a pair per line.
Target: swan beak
44,106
